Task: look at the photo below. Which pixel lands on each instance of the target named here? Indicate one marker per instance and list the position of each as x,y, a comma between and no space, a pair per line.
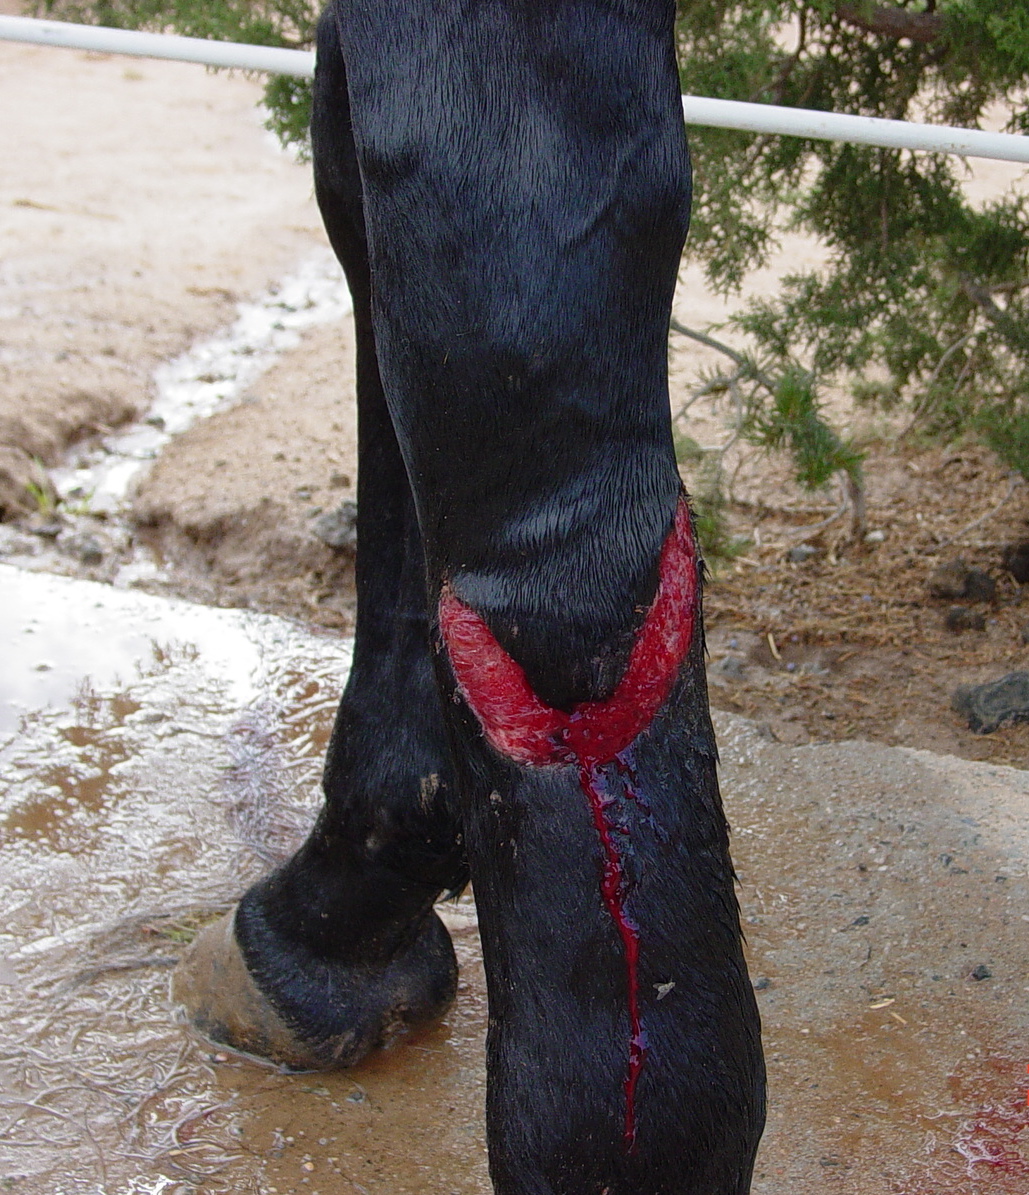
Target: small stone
991,705
49,529
960,618
980,586
875,537
801,554
981,972
338,528
762,983
732,667
948,581
340,480
85,548
1016,560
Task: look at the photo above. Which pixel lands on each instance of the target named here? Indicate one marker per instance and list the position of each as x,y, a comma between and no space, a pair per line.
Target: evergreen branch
747,366
922,27
1010,330
794,421
946,356
715,385
788,67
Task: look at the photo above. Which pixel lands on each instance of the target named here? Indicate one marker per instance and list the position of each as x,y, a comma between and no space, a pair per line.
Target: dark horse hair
507,185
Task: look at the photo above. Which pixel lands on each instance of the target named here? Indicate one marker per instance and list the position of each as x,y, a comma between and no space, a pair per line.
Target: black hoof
306,1013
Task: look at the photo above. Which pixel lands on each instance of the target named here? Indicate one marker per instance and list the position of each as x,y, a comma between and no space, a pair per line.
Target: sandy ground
140,200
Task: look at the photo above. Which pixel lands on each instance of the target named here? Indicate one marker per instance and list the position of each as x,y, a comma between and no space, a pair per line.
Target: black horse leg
340,947
526,197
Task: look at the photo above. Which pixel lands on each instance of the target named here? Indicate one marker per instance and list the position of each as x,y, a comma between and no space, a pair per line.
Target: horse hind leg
339,950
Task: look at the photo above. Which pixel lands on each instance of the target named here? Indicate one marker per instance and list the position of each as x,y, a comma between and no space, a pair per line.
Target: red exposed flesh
526,729
595,733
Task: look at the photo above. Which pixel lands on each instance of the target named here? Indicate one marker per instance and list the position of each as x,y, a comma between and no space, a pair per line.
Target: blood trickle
612,890
592,735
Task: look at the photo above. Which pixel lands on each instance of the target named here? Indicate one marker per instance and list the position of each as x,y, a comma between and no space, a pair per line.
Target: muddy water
155,757
210,377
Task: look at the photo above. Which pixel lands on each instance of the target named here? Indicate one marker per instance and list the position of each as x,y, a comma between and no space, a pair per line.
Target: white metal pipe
273,59
698,110
866,130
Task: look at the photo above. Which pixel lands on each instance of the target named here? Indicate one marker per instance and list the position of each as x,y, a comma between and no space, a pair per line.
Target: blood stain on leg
593,735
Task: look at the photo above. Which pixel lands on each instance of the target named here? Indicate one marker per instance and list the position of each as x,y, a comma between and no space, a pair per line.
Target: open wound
593,735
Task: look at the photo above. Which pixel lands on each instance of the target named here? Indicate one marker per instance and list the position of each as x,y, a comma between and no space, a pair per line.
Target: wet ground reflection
160,761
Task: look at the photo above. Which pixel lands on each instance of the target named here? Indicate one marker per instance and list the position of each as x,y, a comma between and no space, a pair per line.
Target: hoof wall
370,1007
223,1002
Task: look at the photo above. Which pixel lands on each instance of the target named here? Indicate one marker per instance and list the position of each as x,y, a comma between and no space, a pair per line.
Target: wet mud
156,757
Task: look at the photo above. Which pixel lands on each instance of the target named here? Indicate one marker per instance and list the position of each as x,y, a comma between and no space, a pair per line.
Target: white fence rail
274,60
726,114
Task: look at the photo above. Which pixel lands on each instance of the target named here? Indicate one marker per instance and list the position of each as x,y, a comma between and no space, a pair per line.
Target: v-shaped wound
524,728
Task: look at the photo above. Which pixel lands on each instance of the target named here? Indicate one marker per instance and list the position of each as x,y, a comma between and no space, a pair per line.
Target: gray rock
338,528
1016,561
948,581
980,586
47,529
84,547
801,554
956,580
991,705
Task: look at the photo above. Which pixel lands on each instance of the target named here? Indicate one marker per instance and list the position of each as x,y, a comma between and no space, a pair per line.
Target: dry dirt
140,200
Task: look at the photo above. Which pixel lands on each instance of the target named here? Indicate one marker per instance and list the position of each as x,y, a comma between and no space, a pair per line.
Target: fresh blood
593,734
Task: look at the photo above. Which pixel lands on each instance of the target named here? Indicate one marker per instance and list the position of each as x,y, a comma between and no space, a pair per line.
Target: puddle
60,636
165,756
208,378
156,757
